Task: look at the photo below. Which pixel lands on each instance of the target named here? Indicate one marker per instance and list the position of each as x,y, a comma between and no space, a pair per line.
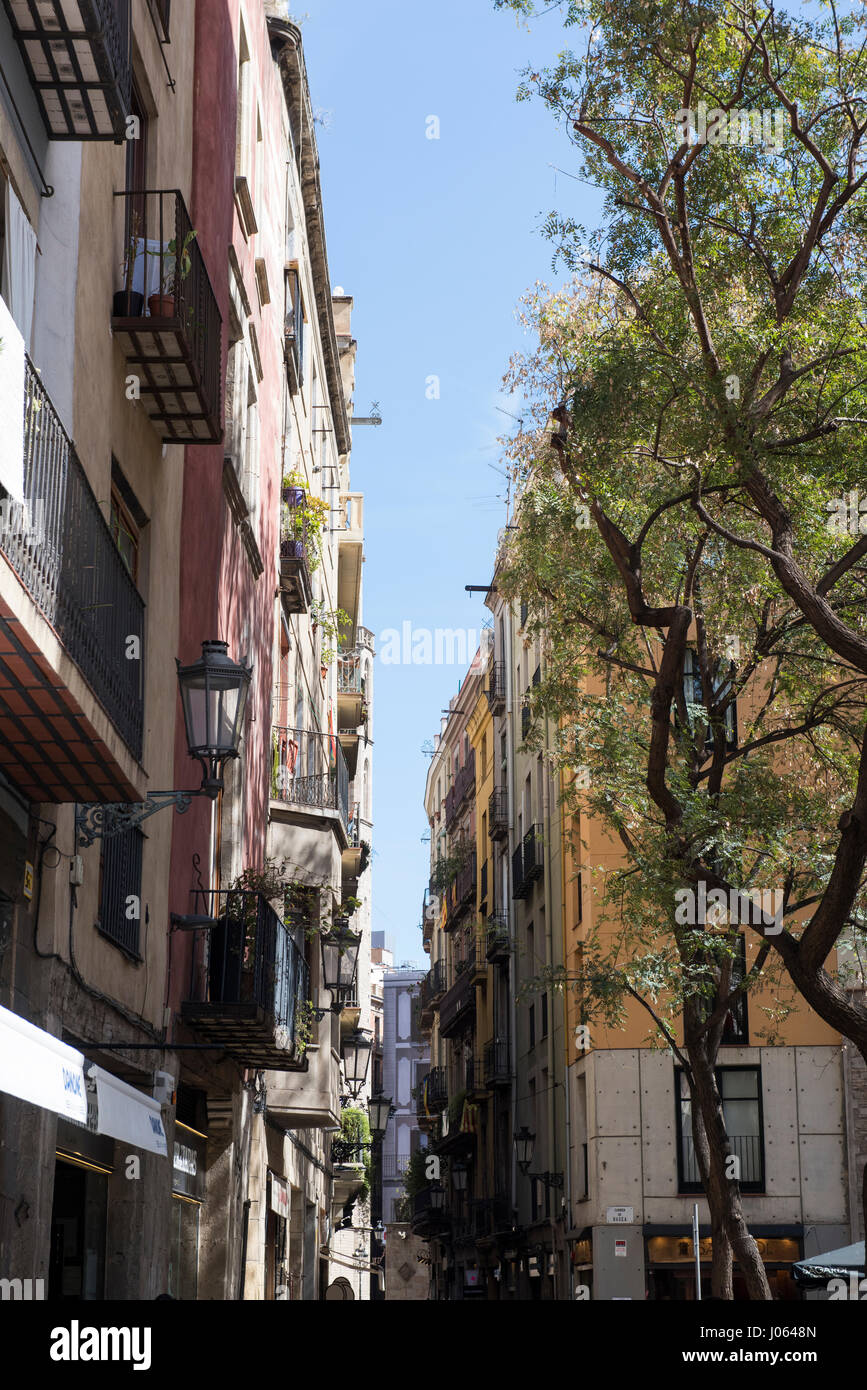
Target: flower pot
161,306
128,304
323,671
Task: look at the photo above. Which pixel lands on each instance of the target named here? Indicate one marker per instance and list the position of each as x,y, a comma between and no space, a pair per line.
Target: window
741,1091
531,1016
120,879
544,1029
294,324
692,693
126,521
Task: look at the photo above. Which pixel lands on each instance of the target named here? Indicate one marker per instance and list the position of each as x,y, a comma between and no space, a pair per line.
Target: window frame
757,1186
124,935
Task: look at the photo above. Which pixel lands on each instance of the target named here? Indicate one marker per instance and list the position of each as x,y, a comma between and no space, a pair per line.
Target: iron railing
350,680
519,887
250,957
309,772
78,63
533,865
747,1148
61,547
498,813
165,273
394,1165
496,691
497,935
464,781
433,1094
496,1068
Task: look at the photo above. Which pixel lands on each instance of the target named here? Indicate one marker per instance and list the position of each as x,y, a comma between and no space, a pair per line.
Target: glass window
740,1089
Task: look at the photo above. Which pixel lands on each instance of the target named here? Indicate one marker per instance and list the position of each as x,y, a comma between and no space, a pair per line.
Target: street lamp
213,693
459,1176
525,1142
379,1109
356,1060
437,1196
340,948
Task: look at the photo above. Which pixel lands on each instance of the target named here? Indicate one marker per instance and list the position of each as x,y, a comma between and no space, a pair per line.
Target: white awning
39,1068
128,1114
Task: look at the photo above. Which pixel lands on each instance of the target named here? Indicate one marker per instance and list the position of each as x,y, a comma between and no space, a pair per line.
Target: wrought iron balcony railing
464,781
296,588
498,946
249,981
350,680
496,691
496,1068
498,813
533,864
433,1095
309,772
61,547
520,889
166,316
77,56
749,1150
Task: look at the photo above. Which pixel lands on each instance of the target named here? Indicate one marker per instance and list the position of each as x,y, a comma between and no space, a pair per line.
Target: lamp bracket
100,821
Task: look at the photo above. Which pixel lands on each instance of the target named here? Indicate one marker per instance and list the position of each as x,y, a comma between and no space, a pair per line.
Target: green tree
699,398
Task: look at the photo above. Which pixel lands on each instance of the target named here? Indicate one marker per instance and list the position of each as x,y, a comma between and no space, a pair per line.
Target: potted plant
129,303
179,263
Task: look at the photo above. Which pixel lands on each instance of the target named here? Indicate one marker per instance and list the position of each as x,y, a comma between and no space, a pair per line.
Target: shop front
188,1195
671,1263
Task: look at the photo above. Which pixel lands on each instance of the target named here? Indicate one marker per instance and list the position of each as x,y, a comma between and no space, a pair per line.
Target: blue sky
437,240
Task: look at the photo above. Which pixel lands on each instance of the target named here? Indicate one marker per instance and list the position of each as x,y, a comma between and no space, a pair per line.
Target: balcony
309,1098
474,1083
309,776
249,983
496,691
520,889
350,540
431,991
495,1067
433,1096
78,61
426,1221
296,588
533,863
350,680
69,694
365,638
458,1005
430,910
491,1216
497,945
464,782
175,347
749,1150
498,813
461,892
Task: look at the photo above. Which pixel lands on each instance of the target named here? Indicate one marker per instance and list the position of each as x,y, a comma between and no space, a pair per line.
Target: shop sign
279,1197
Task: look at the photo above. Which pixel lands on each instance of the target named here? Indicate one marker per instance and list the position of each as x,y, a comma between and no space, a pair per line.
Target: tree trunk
721,1251
723,1193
